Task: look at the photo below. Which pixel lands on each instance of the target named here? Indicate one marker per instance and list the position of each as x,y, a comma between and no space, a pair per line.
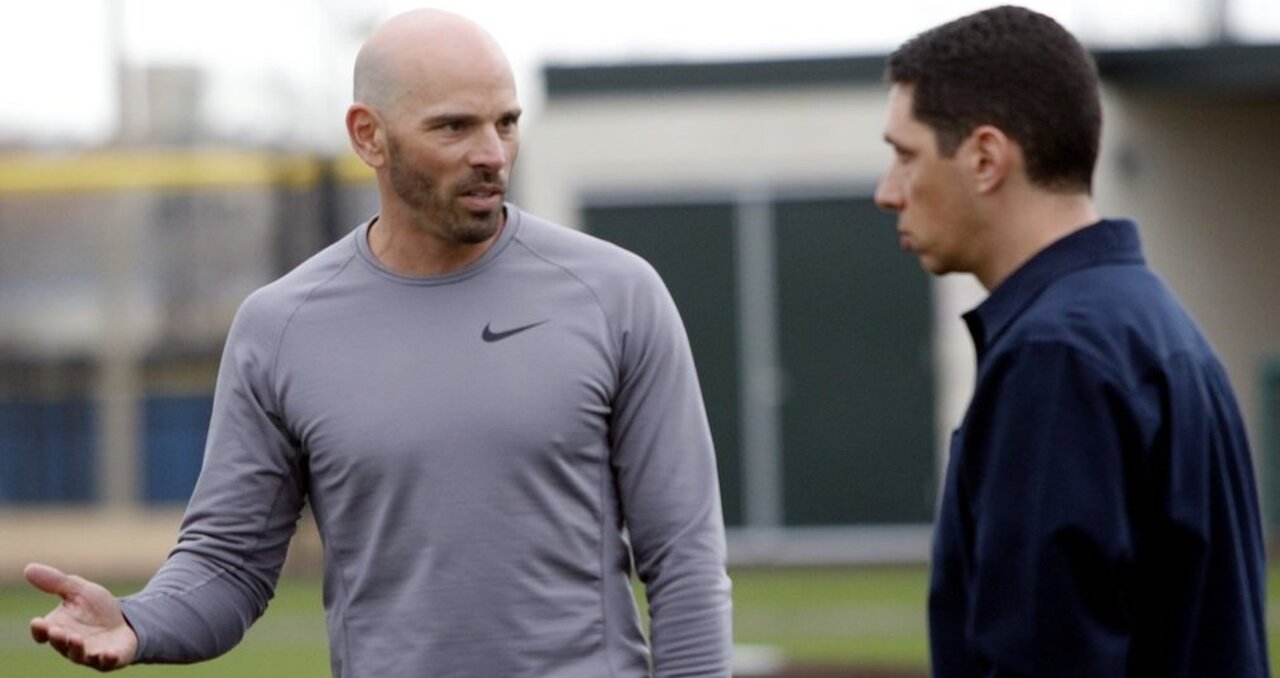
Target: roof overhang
1250,71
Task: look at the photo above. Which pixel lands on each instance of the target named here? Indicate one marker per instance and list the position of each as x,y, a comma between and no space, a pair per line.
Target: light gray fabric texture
484,452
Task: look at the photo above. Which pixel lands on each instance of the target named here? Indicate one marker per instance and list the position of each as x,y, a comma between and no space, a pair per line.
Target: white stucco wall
1203,180
688,143
1202,177
735,143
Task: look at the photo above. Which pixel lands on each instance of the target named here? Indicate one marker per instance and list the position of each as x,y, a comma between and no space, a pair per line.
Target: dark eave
1249,70
564,81
1222,70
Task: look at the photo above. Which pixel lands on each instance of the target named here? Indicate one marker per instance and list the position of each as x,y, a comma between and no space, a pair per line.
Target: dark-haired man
1099,516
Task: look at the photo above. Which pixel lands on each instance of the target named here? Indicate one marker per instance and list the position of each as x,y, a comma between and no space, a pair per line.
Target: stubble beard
452,222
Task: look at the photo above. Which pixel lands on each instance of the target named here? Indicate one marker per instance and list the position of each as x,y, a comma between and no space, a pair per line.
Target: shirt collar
1109,241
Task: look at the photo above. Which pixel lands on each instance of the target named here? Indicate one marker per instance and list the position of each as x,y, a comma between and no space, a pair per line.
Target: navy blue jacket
1099,516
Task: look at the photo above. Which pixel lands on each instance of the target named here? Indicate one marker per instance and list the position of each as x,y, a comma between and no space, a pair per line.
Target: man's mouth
482,196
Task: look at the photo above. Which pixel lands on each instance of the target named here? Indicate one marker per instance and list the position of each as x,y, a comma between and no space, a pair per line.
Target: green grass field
836,616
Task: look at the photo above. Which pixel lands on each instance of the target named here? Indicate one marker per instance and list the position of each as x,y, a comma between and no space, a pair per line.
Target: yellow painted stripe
350,169
110,171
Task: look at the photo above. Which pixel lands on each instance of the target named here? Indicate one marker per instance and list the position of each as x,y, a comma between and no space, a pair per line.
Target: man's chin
931,265
477,227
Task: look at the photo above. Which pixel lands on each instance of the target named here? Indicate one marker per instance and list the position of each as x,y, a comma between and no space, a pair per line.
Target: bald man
491,416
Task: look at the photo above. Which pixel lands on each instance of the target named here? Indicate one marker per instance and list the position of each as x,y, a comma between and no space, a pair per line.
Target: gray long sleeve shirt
485,452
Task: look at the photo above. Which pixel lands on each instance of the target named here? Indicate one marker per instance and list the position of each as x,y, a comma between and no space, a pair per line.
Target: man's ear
990,156
368,134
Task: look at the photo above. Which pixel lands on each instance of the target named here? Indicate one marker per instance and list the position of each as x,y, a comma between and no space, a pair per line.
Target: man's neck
412,250
1029,225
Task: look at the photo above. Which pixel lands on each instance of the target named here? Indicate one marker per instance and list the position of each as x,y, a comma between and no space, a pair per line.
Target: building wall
745,141
748,145
1200,175
737,141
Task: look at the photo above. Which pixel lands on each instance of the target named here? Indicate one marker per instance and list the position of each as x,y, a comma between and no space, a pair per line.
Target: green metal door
851,340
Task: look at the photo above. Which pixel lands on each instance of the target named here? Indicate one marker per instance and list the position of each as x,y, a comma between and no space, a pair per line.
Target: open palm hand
87,627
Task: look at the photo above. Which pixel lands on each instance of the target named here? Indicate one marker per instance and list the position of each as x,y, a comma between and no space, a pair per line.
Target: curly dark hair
1017,70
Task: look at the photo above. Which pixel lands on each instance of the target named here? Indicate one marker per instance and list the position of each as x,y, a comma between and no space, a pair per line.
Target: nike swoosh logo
491,336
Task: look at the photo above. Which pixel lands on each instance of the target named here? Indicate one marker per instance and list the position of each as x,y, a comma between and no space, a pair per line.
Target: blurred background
159,160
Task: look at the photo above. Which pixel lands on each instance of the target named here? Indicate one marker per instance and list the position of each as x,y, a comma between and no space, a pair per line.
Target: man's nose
888,194
489,151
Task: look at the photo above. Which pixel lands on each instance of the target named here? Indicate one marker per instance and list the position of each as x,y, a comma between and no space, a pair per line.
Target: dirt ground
850,672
